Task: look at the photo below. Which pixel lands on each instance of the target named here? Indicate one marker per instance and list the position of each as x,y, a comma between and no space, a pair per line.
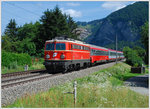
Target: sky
31,11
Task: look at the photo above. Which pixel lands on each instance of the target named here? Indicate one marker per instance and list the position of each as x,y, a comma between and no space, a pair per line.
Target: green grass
101,89
15,68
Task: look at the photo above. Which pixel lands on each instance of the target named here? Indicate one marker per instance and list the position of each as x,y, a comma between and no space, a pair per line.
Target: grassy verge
100,89
15,68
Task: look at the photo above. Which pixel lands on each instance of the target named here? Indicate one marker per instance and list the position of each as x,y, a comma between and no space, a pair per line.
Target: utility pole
114,44
116,50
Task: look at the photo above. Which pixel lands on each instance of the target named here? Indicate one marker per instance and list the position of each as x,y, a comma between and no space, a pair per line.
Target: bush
14,58
132,57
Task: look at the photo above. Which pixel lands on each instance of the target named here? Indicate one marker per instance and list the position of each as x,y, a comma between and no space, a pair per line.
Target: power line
21,8
38,6
16,15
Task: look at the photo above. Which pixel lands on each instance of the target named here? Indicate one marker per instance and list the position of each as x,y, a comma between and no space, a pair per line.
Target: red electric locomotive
61,54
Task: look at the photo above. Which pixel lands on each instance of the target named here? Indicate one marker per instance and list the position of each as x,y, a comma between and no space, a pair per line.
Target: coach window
102,52
74,46
79,47
99,52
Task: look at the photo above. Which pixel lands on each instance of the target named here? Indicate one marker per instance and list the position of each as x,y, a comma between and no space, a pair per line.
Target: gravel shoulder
139,84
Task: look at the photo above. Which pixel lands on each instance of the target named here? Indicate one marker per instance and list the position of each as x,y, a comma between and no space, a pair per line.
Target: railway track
18,78
25,78
21,73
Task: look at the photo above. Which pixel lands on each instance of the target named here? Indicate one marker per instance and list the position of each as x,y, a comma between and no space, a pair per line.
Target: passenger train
68,54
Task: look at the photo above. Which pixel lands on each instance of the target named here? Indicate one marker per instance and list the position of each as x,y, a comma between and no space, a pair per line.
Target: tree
6,43
72,33
28,31
140,51
54,24
145,39
27,35
11,30
132,57
26,46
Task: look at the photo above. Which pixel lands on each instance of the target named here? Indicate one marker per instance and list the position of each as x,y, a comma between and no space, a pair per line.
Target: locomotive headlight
47,56
54,55
62,56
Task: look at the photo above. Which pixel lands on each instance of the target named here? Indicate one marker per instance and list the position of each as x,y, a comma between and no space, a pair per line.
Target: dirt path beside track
139,84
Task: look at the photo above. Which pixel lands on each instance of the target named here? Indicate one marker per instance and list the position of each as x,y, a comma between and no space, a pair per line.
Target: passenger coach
98,54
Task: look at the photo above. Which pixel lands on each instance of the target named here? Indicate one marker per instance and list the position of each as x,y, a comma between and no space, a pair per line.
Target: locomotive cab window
50,46
60,46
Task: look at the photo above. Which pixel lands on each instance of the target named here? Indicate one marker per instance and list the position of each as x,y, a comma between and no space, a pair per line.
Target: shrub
132,57
8,59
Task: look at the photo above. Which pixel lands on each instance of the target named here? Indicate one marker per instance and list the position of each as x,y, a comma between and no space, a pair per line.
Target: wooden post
75,93
26,68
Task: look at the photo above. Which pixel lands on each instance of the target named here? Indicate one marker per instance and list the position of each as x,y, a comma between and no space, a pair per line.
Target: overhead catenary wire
16,15
22,8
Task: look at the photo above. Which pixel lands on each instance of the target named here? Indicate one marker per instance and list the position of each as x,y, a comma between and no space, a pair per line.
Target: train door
71,50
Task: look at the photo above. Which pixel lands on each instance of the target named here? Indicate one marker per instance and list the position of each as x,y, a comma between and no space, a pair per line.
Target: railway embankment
102,88
9,95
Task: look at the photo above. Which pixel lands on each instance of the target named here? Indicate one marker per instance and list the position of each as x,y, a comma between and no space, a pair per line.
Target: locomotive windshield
60,46
50,46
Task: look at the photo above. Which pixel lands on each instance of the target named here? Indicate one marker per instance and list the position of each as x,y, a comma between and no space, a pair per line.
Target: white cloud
73,4
71,12
113,5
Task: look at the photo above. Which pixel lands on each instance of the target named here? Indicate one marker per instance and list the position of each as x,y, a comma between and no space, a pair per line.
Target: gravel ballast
9,95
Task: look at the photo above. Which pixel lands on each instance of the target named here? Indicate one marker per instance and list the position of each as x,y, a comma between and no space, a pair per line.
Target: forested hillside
125,23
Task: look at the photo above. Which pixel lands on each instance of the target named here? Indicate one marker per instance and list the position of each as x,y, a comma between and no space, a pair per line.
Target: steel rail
26,81
21,73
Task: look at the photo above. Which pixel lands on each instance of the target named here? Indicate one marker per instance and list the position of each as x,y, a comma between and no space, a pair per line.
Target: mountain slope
125,23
